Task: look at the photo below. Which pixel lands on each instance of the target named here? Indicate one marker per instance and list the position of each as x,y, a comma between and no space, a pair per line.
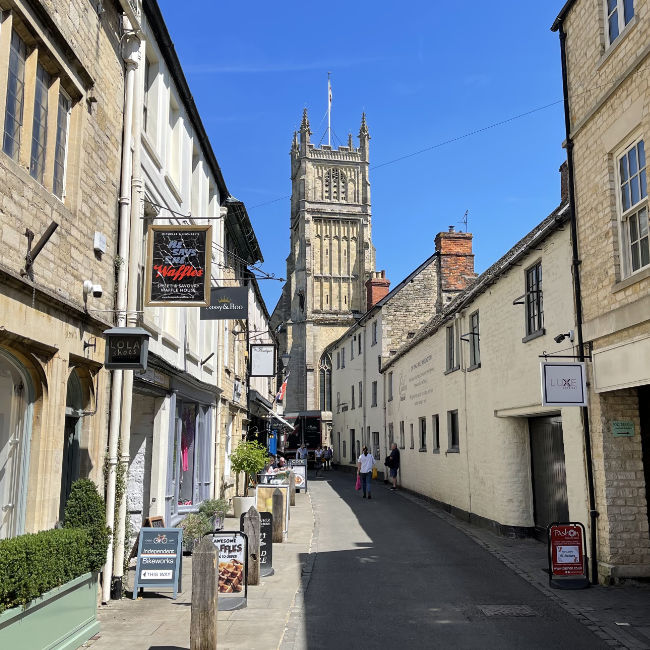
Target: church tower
330,259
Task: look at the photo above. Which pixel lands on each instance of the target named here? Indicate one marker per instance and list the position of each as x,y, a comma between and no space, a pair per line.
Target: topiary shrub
85,509
250,457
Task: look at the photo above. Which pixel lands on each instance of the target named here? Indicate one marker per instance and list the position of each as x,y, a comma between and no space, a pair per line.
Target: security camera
559,338
94,289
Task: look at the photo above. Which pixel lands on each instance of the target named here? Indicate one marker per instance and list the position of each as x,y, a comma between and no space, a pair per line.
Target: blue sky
426,73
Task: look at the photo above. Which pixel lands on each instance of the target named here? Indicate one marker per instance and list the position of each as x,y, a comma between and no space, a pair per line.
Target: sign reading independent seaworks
564,384
178,265
160,556
226,303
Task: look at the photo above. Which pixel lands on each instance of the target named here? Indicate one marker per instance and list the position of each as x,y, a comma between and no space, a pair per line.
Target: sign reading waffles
232,549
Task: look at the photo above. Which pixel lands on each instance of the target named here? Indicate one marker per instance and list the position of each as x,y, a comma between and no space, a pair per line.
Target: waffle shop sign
564,384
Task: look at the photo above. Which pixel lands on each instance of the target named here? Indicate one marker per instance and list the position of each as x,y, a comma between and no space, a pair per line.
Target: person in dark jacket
394,464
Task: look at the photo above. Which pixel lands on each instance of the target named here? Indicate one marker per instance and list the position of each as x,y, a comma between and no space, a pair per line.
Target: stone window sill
422,449
453,450
612,47
476,366
534,335
151,150
436,450
632,279
450,370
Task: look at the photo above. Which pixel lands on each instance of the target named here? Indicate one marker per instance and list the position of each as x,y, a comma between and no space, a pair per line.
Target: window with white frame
174,143
374,333
342,357
374,394
338,359
39,124
453,431
360,394
359,343
61,144
401,434
352,342
412,436
452,348
423,434
352,399
390,386
619,14
390,434
435,432
633,204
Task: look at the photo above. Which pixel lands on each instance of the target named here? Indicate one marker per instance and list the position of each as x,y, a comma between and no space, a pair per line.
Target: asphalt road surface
389,574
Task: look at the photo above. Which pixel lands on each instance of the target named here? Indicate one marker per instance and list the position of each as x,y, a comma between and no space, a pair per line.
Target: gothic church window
325,382
335,185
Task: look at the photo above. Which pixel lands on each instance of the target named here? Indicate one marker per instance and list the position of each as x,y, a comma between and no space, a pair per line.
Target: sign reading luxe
226,303
564,384
178,265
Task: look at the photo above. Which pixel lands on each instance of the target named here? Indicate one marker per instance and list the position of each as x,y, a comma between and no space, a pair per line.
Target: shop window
15,426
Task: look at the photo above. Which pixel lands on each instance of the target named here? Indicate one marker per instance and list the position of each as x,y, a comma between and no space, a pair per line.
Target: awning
275,416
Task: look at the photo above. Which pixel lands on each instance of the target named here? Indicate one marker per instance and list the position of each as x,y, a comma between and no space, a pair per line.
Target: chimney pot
452,228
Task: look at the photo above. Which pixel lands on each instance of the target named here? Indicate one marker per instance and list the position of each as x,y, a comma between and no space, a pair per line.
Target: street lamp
285,361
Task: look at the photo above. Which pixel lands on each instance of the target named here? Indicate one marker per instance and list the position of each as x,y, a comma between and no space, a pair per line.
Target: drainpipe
130,54
593,513
135,205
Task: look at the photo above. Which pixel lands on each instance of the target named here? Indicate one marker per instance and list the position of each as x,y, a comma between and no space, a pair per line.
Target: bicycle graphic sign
159,559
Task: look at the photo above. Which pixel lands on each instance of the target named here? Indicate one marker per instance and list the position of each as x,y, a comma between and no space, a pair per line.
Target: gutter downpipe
593,513
135,208
121,290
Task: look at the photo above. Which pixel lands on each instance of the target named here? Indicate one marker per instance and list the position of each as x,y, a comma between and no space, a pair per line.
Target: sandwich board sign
160,560
232,550
567,560
266,545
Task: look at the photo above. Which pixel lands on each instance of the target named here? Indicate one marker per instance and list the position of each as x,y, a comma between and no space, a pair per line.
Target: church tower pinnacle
331,256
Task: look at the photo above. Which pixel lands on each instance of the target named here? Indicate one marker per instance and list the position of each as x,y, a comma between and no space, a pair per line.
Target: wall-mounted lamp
285,359
560,337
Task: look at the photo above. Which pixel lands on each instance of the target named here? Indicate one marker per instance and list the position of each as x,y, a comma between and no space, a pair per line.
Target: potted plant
249,458
215,510
194,526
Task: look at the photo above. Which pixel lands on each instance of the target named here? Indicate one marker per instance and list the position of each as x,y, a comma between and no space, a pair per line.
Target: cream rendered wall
490,475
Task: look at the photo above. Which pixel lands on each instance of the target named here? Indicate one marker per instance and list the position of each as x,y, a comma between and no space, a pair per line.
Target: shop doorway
550,502
71,439
644,418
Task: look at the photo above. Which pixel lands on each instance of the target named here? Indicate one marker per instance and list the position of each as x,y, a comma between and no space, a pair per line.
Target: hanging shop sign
126,348
566,556
262,360
564,384
178,266
232,549
226,303
266,545
160,556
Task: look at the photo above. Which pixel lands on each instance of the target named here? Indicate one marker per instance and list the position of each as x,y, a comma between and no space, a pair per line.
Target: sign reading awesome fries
178,266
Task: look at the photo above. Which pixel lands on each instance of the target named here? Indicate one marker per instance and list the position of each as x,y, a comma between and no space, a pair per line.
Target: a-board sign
566,554
264,501
160,556
299,468
266,545
154,522
232,549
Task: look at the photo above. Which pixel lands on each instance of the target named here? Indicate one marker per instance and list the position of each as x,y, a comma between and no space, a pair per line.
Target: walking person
365,464
327,456
394,464
318,459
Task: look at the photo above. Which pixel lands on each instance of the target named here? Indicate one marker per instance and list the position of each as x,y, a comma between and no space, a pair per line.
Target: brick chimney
376,288
456,259
564,182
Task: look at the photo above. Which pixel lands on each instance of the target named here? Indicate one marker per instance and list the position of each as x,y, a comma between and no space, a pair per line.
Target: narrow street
388,573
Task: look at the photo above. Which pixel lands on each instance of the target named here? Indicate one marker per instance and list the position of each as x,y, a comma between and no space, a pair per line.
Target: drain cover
506,610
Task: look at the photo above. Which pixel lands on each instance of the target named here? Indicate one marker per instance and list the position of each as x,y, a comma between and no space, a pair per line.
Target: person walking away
394,464
327,456
365,464
318,459
303,452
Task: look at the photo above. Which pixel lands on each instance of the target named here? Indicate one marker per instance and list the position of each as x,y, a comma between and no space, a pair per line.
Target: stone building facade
330,258
392,319
61,103
463,400
606,59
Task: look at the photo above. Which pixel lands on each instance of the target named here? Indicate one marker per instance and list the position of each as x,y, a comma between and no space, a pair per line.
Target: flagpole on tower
329,110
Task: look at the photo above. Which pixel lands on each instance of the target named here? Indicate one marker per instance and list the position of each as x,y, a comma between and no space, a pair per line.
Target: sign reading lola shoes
178,265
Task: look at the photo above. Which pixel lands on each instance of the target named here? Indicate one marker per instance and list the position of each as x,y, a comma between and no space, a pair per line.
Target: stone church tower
331,258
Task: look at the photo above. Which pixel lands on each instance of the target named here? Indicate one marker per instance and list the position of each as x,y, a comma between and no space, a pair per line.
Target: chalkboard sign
160,555
154,522
266,545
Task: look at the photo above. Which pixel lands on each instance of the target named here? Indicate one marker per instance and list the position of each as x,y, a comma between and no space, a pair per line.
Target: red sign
567,550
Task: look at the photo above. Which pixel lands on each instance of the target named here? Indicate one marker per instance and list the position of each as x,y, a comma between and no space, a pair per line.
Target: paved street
387,573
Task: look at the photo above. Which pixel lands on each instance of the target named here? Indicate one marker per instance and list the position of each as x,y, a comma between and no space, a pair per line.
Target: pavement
157,622
396,569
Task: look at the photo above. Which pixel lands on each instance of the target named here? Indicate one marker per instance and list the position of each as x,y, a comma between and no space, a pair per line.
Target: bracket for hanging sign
32,253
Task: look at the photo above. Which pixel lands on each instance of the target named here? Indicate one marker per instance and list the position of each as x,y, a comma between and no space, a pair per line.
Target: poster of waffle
231,548
178,265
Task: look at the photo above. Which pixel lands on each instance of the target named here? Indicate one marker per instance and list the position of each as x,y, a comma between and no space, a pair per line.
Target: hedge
32,564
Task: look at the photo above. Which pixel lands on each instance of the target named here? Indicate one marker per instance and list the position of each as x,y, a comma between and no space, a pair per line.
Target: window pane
641,149
634,233
611,5
645,253
14,102
625,196
613,27
61,145
628,10
37,164
634,187
635,257
632,162
643,222
644,189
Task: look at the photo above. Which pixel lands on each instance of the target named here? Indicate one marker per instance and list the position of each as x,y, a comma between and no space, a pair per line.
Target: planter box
61,619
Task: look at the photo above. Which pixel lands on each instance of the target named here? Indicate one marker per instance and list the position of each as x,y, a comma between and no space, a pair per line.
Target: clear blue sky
424,72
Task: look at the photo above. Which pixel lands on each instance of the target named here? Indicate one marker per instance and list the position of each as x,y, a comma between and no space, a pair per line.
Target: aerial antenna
464,219
329,110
